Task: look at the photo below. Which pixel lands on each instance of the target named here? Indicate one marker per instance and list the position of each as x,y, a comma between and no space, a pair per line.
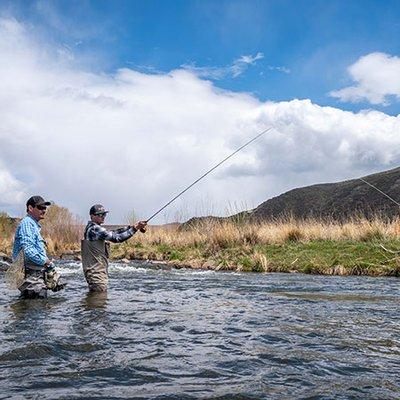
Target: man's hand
47,263
141,226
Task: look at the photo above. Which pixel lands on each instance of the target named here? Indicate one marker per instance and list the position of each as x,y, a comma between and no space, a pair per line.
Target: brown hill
337,201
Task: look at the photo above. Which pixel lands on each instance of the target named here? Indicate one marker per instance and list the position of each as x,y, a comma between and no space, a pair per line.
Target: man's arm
32,252
117,236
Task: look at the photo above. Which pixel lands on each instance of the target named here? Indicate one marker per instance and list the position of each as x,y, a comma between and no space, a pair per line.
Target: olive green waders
95,264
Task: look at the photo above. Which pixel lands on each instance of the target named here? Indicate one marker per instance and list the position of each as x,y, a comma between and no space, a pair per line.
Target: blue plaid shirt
28,238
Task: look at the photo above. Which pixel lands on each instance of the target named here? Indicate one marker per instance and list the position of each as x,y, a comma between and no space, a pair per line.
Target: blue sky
127,102
307,45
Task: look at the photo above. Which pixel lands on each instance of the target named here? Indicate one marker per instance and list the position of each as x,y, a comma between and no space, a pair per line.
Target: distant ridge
335,201
338,201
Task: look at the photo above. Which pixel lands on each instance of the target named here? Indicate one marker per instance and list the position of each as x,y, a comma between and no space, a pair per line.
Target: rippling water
163,334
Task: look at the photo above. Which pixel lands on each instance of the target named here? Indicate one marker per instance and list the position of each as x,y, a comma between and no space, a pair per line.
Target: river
187,334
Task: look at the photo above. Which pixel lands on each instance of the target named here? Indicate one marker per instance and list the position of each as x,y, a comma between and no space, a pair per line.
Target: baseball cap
97,209
37,201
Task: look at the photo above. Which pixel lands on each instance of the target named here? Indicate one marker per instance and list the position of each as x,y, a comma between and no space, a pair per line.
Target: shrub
62,229
7,226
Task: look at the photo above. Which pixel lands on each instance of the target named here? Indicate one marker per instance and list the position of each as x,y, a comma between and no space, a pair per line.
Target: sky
126,103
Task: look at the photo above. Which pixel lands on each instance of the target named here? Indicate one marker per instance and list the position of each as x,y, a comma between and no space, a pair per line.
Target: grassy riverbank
357,247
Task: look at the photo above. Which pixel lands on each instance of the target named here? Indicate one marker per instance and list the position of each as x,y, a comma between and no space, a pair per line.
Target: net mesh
15,274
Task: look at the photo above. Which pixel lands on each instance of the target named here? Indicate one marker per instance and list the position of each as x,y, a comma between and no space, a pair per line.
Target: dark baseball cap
37,201
97,209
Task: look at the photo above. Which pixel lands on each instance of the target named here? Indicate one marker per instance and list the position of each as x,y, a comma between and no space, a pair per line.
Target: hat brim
45,203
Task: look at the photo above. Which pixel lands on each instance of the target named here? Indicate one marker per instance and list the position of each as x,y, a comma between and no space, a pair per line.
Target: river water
183,334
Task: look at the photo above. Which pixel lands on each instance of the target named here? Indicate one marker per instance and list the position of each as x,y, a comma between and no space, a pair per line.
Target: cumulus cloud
376,77
234,70
134,139
11,189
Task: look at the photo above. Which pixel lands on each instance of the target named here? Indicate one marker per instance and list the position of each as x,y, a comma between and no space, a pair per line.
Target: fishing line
209,171
380,191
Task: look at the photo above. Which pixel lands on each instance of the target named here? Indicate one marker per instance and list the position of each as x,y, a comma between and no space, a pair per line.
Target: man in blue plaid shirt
29,244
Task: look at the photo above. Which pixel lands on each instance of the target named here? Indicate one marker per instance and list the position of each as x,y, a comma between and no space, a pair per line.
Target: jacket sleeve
116,236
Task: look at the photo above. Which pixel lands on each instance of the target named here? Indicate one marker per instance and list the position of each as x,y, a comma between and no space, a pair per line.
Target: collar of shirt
33,219
92,223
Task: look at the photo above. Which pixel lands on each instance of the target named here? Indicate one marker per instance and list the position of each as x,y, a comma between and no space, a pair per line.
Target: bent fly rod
209,171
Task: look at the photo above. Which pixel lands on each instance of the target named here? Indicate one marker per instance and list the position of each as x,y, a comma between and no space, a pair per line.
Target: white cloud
250,59
376,77
238,67
134,139
285,70
241,64
11,190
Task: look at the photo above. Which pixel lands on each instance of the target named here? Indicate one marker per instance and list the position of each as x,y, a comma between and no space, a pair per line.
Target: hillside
337,201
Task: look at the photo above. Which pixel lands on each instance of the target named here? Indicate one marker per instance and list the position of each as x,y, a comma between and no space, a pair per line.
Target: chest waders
38,279
33,285
95,263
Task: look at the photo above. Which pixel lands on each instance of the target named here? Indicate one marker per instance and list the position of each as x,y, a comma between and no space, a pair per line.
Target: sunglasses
41,208
102,215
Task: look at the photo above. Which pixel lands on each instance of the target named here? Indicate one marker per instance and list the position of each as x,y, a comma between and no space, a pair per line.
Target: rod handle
143,230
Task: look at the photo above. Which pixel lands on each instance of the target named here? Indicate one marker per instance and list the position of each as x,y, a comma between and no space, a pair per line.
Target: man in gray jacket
95,247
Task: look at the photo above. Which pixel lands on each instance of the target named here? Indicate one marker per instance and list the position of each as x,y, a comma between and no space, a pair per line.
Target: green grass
315,257
322,256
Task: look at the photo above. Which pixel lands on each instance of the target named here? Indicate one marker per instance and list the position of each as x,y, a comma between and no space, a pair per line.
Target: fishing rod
380,191
231,155
209,171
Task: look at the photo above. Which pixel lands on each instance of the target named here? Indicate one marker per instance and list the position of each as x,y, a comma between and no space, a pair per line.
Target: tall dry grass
7,229
230,234
63,232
